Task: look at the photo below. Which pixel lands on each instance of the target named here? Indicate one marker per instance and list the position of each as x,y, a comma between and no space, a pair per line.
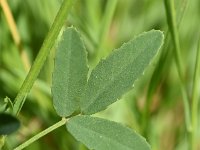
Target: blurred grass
165,127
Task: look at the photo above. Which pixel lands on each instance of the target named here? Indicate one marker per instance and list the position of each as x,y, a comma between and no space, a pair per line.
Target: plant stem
41,134
42,55
171,19
195,98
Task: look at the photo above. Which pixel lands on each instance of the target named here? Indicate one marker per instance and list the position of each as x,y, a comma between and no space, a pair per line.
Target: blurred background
154,108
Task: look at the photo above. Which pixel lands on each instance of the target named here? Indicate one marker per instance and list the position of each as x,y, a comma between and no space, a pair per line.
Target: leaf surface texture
115,75
70,73
101,134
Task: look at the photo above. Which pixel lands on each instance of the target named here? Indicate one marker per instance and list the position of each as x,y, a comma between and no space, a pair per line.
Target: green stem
171,19
41,134
195,98
42,55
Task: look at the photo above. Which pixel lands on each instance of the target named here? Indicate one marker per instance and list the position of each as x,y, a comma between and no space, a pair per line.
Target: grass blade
171,19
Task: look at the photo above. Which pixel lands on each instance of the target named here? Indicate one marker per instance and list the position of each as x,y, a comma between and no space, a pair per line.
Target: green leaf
101,134
70,73
115,75
8,124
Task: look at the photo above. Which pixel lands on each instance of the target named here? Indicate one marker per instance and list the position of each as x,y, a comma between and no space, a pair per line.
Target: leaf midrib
68,62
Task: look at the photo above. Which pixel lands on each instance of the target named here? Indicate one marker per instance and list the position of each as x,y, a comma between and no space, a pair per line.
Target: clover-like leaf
101,134
70,73
115,75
